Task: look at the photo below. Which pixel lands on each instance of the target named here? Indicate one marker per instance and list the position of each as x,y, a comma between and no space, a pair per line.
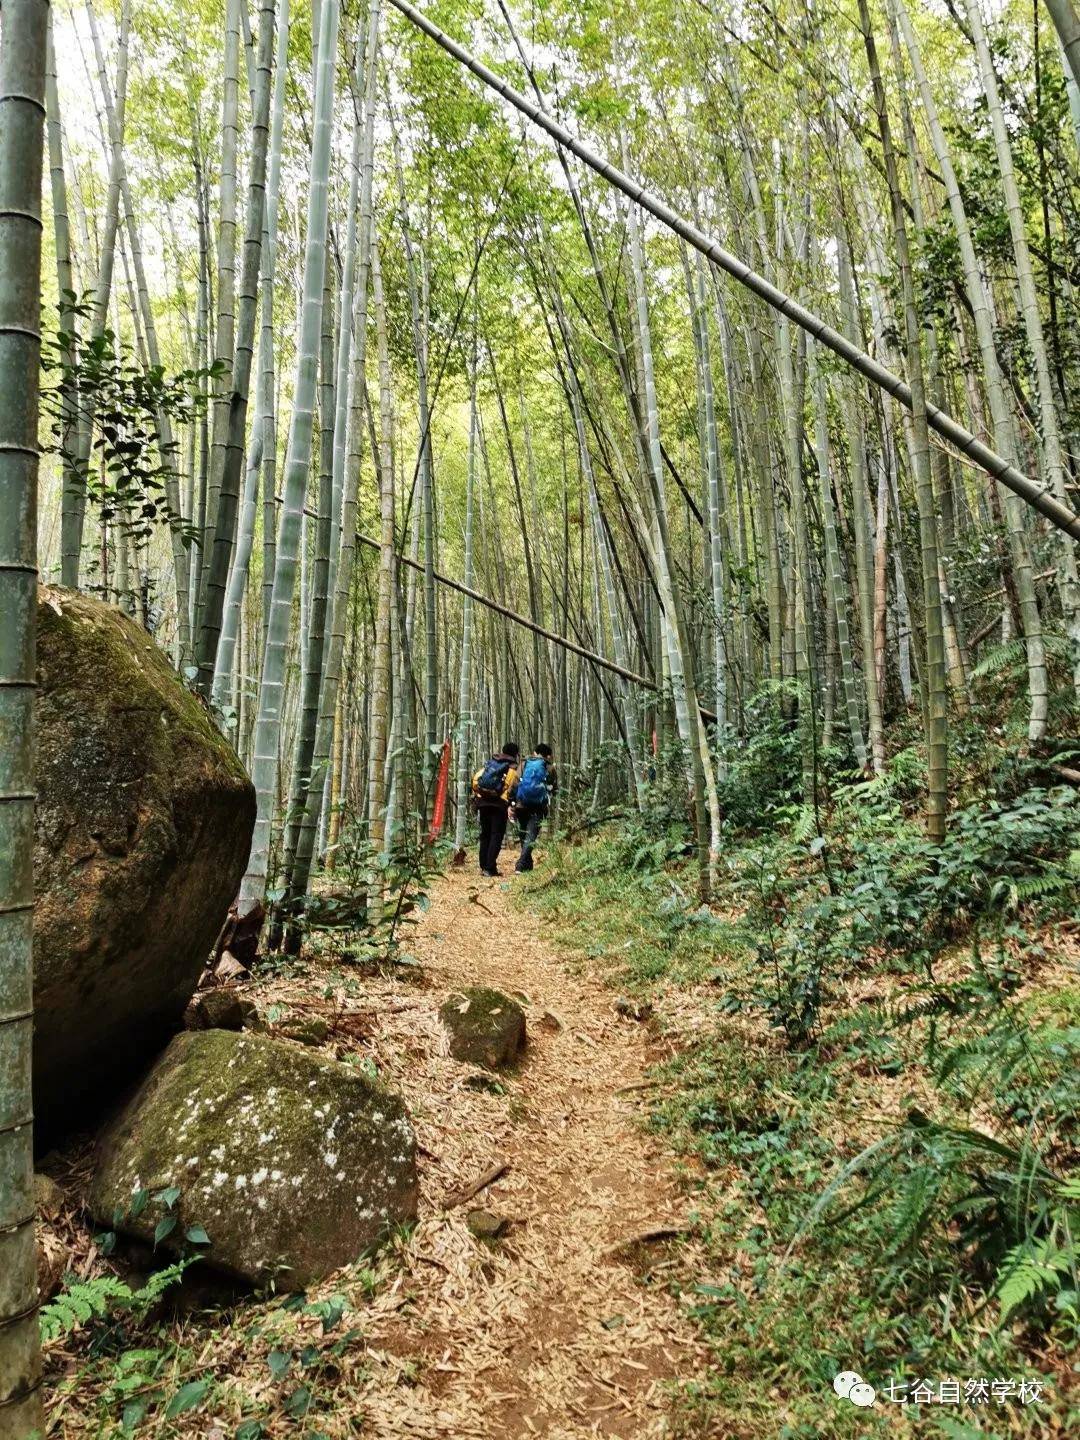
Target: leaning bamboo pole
569,645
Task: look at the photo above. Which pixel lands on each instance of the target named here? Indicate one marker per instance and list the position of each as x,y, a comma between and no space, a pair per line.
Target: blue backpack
532,787
491,784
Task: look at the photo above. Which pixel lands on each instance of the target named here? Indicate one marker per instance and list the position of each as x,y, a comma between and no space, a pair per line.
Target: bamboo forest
539,719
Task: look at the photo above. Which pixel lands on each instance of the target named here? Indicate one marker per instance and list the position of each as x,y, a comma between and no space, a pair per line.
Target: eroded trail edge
561,1328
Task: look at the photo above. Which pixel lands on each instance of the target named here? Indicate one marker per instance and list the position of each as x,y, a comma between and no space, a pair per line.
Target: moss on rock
486,1027
220,1009
143,824
292,1164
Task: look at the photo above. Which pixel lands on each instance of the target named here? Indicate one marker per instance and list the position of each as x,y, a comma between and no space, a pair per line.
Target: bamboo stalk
23,31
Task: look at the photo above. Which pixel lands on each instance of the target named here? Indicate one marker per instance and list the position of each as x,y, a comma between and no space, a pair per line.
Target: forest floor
652,1155
568,1326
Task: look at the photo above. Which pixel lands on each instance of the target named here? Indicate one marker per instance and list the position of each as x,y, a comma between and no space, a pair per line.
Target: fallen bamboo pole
1035,495
629,675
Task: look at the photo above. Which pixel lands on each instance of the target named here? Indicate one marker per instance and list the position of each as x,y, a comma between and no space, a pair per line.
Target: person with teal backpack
537,784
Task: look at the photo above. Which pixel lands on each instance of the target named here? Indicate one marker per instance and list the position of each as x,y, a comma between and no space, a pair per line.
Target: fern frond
87,1300
96,1299
1030,1269
999,658
1037,887
1013,654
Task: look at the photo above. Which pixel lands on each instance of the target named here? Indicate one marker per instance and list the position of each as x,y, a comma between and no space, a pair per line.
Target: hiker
493,789
537,785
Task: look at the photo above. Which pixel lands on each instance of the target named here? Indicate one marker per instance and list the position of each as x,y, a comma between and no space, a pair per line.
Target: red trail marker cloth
442,784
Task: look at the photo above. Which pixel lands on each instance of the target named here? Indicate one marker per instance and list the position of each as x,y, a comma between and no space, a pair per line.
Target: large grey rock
143,824
486,1027
292,1164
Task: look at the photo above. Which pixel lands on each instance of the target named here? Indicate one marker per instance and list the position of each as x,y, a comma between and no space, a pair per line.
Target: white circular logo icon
850,1385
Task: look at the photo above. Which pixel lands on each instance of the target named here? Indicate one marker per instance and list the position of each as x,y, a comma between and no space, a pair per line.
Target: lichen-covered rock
220,1008
142,829
486,1027
293,1165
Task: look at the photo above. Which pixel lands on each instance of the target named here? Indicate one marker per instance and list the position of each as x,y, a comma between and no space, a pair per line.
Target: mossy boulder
486,1027
220,1009
143,824
293,1165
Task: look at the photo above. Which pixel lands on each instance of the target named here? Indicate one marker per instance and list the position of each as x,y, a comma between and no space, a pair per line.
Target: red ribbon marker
442,785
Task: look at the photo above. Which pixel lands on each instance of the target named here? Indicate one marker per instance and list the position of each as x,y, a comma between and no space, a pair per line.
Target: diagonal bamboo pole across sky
631,676
1035,495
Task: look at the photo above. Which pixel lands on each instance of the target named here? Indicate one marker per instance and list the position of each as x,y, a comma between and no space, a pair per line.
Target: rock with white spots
292,1164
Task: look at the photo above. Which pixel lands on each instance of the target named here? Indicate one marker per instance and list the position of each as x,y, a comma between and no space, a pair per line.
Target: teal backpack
532,787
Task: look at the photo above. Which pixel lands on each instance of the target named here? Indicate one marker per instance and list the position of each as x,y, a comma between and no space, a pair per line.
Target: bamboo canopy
969,445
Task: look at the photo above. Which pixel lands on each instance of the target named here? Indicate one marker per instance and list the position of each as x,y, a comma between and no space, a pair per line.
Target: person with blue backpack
494,789
537,785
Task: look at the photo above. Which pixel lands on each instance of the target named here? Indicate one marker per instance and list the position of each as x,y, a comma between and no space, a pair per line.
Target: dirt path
555,1330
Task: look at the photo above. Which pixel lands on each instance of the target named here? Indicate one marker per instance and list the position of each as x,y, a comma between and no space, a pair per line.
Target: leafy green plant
108,387
102,1297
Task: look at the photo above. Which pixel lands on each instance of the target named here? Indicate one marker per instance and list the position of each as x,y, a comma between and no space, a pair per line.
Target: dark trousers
529,821
492,834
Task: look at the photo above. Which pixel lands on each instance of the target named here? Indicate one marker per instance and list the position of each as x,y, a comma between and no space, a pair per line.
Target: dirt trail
555,1330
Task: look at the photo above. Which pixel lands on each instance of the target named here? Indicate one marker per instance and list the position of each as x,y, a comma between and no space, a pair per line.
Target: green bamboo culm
23,32
264,766
230,457
350,415
936,694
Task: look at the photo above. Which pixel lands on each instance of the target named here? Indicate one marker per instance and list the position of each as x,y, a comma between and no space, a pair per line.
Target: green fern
915,1206
1031,1269
96,1299
87,1300
999,658
1037,887
805,825
1013,655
